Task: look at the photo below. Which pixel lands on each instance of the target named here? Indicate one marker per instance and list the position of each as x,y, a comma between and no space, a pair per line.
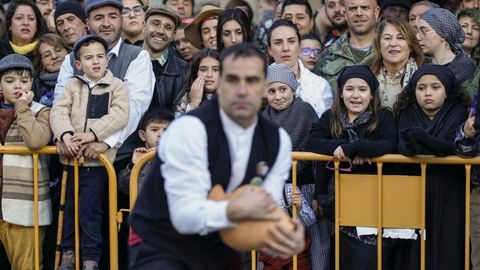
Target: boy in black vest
174,225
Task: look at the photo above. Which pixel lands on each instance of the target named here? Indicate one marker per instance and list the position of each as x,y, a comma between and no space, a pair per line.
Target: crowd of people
352,79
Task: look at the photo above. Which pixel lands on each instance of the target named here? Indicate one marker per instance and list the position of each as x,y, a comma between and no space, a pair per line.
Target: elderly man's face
415,14
475,4
70,27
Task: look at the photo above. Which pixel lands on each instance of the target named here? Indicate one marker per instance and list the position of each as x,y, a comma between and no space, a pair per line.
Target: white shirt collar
231,126
116,49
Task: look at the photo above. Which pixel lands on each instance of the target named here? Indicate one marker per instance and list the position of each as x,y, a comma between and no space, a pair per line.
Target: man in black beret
70,21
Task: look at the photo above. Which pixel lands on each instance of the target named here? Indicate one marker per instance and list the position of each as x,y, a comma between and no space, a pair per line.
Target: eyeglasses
57,51
330,165
137,11
307,51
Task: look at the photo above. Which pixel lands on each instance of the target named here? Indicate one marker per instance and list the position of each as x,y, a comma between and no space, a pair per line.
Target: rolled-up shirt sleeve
64,76
183,149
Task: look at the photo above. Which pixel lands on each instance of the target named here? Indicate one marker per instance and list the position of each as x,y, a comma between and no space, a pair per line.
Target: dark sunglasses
307,51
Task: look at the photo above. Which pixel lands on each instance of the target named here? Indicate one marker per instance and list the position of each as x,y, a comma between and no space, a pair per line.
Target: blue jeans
92,185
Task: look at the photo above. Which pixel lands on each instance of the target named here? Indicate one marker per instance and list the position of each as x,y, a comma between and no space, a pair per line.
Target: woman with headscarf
441,36
355,128
430,110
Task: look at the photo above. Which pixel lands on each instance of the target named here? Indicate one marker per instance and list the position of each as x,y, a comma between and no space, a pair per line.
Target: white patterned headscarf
446,24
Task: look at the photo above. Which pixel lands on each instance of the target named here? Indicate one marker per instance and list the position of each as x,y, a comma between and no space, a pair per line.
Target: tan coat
103,110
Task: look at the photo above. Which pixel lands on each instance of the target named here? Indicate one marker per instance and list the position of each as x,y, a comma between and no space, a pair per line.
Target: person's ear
78,65
141,134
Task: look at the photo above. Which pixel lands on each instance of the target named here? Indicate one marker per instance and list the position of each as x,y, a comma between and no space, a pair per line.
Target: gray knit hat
282,73
12,61
446,24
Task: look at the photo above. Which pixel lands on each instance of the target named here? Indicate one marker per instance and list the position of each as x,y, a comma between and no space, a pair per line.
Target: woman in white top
284,46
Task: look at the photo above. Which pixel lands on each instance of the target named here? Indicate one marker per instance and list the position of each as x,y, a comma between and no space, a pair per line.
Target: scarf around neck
350,127
49,79
24,50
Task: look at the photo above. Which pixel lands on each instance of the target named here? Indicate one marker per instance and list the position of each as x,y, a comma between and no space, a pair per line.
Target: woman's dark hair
406,31
338,108
42,27
407,98
278,23
51,39
241,3
233,14
193,70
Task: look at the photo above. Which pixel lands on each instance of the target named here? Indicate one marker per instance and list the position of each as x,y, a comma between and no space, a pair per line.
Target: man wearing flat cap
161,23
127,62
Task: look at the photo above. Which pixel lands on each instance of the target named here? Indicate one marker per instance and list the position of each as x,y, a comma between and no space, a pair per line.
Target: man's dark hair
310,36
278,23
308,7
244,50
156,116
193,2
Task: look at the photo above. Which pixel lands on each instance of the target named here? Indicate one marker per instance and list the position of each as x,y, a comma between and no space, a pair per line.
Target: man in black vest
226,141
161,23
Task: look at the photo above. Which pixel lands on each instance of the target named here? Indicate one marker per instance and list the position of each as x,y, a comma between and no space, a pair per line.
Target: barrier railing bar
294,208
112,215
468,168
423,167
36,233
379,215
76,188
134,176
337,214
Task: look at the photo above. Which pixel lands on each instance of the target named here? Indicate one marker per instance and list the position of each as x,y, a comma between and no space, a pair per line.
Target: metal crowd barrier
389,201
112,189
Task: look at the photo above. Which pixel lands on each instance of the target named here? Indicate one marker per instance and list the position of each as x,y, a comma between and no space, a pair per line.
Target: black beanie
358,71
73,7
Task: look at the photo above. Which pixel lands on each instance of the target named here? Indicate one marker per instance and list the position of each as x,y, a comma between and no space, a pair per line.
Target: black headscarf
358,71
443,73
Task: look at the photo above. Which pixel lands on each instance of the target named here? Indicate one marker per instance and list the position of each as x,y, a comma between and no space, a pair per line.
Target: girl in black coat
358,129
430,110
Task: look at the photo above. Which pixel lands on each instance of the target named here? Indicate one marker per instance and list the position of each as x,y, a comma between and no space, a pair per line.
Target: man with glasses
70,21
161,23
133,17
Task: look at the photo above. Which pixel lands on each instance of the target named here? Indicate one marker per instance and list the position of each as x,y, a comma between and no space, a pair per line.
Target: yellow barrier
112,189
387,207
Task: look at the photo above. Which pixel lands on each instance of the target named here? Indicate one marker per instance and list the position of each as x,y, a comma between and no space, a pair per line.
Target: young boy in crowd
154,123
91,108
22,123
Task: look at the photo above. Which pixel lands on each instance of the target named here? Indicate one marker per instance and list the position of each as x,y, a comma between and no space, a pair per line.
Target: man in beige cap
202,32
161,23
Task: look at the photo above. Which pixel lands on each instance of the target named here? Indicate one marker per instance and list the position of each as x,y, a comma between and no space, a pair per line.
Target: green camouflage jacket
334,58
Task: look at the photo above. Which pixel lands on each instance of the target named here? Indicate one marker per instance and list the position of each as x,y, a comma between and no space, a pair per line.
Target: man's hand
71,146
83,138
285,243
338,153
251,204
92,150
63,150
361,160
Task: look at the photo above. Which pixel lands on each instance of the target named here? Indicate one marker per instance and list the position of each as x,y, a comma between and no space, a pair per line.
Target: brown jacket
103,110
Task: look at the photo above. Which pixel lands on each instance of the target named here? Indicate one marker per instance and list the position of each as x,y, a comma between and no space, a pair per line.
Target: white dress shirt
139,81
183,149
314,90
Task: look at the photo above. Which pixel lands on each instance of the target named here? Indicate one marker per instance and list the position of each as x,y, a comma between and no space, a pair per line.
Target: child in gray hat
91,108
23,122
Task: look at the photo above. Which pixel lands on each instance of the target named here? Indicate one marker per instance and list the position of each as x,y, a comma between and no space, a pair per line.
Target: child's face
152,133
13,85
93,61
430,94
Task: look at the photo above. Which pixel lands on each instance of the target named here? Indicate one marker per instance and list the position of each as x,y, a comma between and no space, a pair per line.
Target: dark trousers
92,185
356,255
142,257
